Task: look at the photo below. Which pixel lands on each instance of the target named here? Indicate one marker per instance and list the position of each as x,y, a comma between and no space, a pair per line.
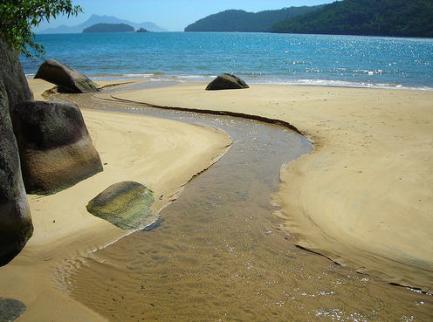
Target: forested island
399,18
367,17
243,21
109,27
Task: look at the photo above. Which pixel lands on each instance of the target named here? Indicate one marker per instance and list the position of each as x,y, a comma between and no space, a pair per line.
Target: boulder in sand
226,81
55,147
68,80
12,76
15,221
125,204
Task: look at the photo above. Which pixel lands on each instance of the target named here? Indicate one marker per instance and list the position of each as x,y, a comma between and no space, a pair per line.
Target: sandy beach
161,154
216,161
363,198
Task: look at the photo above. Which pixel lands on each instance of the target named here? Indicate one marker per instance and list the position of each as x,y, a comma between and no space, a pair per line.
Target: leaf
19,17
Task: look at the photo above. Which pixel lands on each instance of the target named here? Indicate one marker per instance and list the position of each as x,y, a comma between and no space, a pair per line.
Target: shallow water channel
219,252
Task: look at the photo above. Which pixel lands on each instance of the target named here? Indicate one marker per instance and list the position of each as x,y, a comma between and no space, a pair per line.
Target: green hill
239,20
408,18
109,27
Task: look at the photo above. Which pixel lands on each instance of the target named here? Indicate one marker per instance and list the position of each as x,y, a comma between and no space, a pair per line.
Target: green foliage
412,18
18,17
239,20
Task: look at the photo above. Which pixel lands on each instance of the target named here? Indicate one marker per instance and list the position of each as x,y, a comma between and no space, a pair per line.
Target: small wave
126,76
152,77
259,79
338,83
194,78
369,72
138,75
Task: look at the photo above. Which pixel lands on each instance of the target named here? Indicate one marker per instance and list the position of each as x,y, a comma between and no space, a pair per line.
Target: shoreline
171,80
396,249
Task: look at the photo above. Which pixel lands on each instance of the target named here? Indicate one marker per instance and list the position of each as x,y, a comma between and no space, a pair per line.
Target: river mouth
219,253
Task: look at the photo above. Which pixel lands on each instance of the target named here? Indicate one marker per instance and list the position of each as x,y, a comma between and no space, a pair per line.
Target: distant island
243,21
142,30
109,27
399,18
96,19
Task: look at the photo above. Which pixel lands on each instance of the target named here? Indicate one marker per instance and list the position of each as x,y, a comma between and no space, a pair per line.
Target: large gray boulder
12,76
68,80
226,81
15,221
55,147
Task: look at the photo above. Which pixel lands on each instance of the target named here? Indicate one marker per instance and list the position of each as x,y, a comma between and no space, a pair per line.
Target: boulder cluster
44,146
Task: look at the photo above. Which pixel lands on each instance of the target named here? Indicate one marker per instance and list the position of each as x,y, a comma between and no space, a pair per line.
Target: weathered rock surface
68,80
15,221
12,76
11,309
124,204
55,147
226,81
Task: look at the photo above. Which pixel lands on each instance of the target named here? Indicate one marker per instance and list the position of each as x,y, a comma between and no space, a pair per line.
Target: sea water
256,57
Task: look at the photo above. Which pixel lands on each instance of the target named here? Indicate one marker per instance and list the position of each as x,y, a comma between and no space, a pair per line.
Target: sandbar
364,196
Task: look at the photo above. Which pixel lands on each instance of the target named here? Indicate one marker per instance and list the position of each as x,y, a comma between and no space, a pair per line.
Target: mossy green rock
125,204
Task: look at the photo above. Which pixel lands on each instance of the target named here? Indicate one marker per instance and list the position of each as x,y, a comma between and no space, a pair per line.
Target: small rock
11,309
226,81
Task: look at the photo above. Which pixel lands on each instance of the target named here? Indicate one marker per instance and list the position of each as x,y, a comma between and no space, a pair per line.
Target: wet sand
132,147
363,197
230,253
221,252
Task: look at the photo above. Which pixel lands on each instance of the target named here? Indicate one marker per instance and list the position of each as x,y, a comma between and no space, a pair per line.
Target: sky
173,15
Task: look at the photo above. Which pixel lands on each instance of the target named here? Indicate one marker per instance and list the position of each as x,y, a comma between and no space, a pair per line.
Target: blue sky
173,15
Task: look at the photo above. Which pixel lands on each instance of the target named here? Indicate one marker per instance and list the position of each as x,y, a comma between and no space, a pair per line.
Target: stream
219,252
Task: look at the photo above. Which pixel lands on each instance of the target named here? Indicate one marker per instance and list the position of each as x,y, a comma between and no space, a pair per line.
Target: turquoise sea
257,57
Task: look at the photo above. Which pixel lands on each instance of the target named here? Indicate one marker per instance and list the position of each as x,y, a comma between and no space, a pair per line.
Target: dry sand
364,197
162,154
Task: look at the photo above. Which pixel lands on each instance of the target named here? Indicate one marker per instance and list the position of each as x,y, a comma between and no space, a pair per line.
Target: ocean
351,61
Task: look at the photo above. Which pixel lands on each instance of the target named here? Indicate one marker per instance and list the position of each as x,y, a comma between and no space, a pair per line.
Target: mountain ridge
399,18
96,19
243,21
